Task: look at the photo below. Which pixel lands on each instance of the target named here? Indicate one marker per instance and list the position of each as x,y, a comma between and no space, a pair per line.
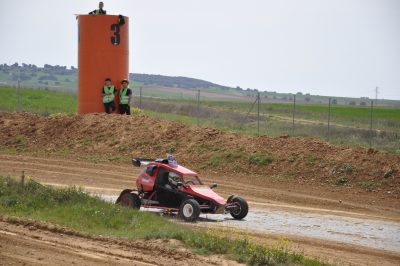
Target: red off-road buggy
163,184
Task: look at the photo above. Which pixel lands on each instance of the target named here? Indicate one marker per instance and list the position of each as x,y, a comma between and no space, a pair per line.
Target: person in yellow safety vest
125,95
108,95
99,11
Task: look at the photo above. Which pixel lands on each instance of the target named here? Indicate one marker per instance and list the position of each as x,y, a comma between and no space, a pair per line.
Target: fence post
23,177
140,98
198,106
258,114
329,119
293,111
19,91
370,125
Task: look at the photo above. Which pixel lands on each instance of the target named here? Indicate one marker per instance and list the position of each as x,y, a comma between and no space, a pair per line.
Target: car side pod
237,207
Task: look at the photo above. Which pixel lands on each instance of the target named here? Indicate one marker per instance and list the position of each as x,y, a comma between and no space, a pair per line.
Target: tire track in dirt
32,242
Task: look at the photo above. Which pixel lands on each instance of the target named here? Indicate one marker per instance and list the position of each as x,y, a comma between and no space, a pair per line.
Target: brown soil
294,159
94,151
25,242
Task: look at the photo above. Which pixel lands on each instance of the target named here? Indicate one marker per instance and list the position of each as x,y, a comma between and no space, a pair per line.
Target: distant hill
177,82
54,76
61,78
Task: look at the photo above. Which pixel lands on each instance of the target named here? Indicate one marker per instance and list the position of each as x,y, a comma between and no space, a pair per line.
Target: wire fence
367,126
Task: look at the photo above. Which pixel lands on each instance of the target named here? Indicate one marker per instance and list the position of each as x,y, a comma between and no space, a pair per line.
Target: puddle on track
365,232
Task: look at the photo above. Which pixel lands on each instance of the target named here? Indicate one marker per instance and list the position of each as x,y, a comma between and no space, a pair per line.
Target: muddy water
365,232
370,233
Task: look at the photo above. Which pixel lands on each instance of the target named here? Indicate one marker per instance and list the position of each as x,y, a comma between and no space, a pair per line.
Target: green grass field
356,116
73,208
37,101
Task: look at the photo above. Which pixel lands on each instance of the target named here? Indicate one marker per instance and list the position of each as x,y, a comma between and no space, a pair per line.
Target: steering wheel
190,181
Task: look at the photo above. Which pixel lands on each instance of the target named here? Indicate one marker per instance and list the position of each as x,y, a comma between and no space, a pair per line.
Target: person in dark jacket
99,11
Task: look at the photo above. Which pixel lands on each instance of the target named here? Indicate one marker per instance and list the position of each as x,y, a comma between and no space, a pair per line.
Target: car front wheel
241,209
189,210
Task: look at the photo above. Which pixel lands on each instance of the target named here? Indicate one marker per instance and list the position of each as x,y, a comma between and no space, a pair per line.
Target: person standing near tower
108,95
125,95
99,11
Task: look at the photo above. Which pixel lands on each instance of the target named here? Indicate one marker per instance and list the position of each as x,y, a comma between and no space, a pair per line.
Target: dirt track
111,178
37,243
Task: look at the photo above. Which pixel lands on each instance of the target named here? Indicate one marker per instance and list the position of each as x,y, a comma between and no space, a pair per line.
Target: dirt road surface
37,243
303,216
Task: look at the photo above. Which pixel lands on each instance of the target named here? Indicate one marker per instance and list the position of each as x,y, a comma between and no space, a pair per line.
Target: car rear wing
143,162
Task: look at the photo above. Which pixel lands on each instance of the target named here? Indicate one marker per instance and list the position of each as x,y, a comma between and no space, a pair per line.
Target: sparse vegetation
371,184
345,168
85,141
260,159
221,157
21,141
310,160
388,173
342,180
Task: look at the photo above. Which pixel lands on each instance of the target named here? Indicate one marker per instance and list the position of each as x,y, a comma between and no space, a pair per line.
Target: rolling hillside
61,78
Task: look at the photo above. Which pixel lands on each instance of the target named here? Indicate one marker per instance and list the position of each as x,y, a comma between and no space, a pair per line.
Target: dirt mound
302,160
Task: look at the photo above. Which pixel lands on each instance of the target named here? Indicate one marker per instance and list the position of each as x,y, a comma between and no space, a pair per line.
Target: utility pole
258,114
198,106
376,95
19,90
370,125
293,113
329,119
140,98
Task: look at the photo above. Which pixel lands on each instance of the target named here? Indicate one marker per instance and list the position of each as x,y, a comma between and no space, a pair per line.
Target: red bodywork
209,200
204,192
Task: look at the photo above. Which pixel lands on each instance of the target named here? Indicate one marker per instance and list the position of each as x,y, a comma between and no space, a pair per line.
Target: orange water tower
103,52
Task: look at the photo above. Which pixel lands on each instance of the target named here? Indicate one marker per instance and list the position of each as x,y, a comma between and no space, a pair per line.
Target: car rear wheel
241,209
128,199
189,210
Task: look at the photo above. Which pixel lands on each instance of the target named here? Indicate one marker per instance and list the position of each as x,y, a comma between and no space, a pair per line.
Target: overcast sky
337,47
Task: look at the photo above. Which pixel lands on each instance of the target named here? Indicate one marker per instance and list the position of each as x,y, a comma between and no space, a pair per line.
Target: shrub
260,159
345,168
371,184
342,180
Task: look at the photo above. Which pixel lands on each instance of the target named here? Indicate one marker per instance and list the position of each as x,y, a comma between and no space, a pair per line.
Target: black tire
242,208
189,210
130,200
